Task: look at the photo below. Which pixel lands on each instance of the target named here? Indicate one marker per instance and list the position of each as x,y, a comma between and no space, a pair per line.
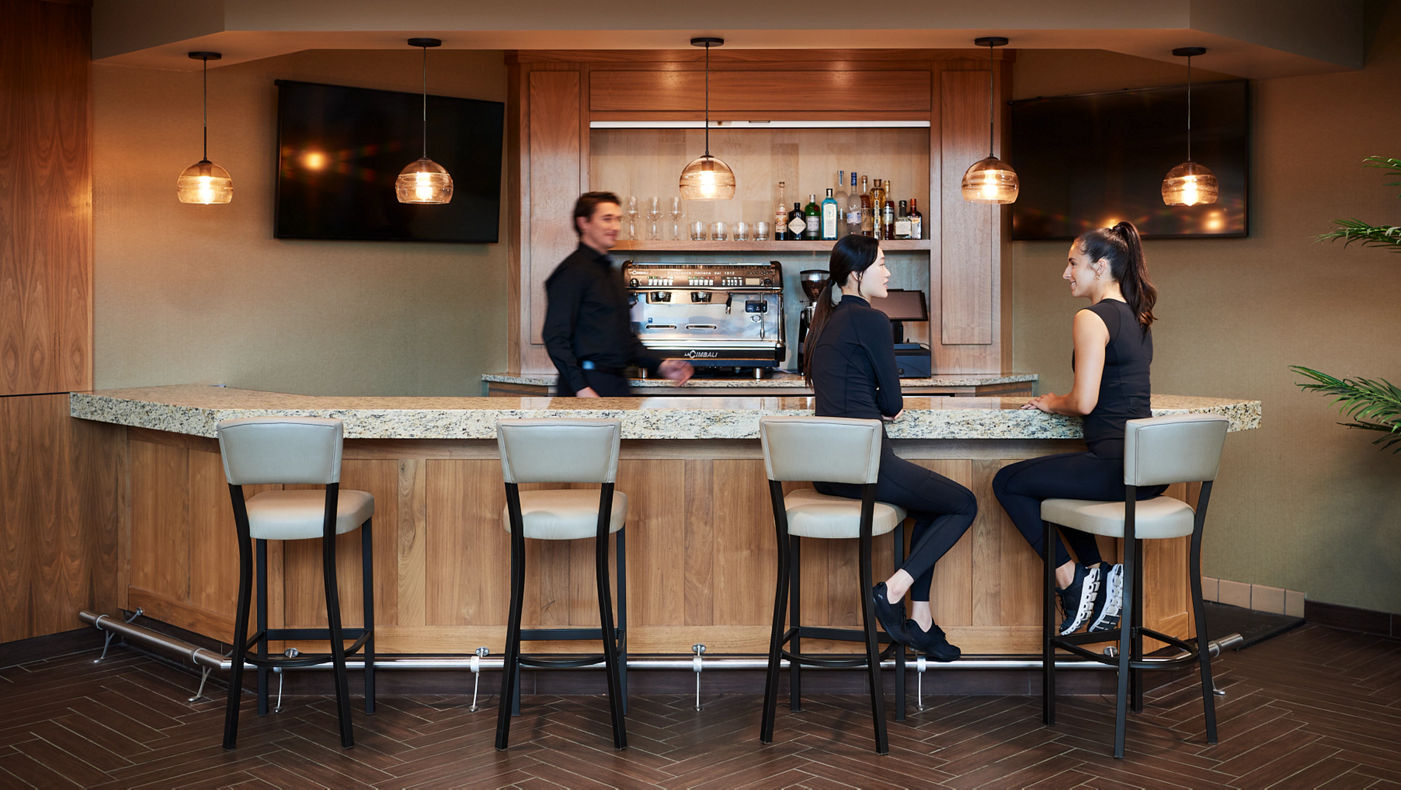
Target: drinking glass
676,218
697,231
654,213
718,231
632,217
741,231
761,231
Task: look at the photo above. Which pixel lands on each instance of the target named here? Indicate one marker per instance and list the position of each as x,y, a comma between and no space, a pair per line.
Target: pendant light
990,180
204,182
1189,184
707,178
424,182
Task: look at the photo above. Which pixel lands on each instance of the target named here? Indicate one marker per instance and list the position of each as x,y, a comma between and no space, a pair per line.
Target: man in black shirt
587,329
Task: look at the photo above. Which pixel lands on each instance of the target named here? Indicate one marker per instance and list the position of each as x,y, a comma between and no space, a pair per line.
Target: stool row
307,451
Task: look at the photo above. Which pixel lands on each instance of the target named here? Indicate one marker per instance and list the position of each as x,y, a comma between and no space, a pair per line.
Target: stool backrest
291,450
1179,448
828,449
559,451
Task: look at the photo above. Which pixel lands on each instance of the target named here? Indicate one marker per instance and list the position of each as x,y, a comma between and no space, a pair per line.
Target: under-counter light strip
761,124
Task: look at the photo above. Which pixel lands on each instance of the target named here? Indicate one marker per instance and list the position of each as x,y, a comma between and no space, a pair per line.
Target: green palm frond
1372,404
1366,234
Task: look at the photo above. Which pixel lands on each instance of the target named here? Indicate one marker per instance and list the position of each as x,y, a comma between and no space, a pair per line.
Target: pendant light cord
707,100
425,102
1189,108
991,86
205,157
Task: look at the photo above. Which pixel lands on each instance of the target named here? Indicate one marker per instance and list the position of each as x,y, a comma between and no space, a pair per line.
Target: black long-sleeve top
853,364
587,318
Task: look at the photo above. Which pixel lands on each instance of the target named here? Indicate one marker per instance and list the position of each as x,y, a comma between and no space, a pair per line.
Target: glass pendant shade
707,178
204,183
990,180
1190,184
424,182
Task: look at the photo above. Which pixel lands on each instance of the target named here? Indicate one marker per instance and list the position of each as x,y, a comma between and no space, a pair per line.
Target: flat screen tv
1088,161
339,150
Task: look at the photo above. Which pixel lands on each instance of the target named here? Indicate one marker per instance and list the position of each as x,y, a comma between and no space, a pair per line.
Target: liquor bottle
813,215
916,221
780,217
853,208
902,221
829,216
888,220
867,227
877,207
796,223
839,194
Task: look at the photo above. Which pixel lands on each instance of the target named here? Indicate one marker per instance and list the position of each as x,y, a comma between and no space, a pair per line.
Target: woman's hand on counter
1041,403
586,392
678,370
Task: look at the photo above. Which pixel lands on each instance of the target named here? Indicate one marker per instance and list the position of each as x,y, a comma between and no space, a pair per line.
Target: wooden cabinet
556,155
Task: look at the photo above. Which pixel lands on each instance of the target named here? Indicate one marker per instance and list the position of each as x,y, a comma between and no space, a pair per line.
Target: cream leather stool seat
572,452
832,450
1157,451
565,514
295,451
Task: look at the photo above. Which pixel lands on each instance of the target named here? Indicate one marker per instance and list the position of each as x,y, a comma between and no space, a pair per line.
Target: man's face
601,230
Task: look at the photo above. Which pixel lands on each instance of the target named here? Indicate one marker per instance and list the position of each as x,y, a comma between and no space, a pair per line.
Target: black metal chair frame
786,642
614,637
1129,658
364,637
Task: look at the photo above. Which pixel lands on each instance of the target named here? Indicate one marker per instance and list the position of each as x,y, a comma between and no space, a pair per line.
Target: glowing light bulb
423,187
314,160
206,190
707,183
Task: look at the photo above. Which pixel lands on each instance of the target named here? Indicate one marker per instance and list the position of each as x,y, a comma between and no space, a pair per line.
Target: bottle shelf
889,245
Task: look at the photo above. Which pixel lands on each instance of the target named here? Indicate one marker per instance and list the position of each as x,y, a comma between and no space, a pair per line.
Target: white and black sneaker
1078,600
1111,598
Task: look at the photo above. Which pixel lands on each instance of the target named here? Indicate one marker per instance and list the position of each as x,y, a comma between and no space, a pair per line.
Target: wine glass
654,213
676,218
632,217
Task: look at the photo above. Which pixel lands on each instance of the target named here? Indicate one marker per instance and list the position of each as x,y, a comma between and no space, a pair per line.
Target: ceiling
1246,38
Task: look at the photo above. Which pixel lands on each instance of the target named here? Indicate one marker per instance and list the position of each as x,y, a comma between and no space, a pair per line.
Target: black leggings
942,509
1021,487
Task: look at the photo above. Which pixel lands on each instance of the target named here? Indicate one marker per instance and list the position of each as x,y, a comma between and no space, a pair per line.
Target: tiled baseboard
1257,597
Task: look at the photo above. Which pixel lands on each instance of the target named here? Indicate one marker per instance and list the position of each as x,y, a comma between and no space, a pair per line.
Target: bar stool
835,450
1159,450
564,451
294,451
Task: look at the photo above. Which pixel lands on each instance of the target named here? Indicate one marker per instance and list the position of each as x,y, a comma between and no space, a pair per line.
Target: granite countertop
195,410
779,380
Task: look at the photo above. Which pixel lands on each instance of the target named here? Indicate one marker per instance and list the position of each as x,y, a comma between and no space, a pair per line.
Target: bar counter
777,383
700,535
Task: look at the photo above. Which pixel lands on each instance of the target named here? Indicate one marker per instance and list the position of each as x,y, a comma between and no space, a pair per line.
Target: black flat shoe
933,642
891,616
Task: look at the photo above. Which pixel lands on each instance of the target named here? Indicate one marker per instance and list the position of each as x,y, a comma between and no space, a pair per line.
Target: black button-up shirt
588,318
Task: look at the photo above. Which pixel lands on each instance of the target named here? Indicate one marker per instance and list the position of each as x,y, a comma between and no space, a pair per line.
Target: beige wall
1302,503
205,294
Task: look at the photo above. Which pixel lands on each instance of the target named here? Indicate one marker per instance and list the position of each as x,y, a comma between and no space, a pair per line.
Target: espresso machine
720,317
812,280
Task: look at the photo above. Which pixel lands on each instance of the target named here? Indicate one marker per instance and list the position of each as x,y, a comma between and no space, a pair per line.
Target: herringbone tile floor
1312,708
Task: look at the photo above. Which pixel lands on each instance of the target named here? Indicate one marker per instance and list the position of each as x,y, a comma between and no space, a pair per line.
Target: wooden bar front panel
700,551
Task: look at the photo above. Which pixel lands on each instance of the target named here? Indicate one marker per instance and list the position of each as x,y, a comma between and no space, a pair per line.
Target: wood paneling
556,153
61,498
701,553
45,199
754,92
965,299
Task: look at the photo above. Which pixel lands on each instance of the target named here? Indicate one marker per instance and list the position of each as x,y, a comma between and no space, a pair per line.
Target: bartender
587,331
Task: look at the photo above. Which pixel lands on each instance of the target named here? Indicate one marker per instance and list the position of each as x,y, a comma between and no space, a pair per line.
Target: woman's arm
1091,338
879,345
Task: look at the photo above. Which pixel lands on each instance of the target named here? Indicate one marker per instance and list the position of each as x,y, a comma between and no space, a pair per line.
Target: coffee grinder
812,281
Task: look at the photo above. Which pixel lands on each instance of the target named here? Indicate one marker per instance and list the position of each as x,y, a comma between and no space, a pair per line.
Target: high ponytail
1122,247
851,254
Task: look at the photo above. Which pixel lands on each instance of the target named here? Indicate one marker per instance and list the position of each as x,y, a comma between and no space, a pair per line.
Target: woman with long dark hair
1113,350
850,365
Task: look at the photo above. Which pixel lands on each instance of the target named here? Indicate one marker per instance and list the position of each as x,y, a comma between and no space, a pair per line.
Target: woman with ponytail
850,365
1113,349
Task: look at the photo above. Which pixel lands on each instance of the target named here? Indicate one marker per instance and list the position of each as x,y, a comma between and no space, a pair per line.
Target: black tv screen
340,149
1088,161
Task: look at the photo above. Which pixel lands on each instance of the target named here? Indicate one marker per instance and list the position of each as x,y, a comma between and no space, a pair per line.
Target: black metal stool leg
1194,568
240,637
1048,628
622,624
899,548
776,625
868,621
1126,627
261,555
605,617
795,621
1136,675
367,593
333,620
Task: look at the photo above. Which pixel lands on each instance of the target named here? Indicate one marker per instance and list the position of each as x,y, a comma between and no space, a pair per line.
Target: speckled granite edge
195,411
780,381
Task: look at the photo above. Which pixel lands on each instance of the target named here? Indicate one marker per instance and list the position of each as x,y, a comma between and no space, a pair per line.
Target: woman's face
1080,272
872,284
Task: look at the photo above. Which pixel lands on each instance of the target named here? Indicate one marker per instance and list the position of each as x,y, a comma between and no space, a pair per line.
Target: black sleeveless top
853,364
1124,388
